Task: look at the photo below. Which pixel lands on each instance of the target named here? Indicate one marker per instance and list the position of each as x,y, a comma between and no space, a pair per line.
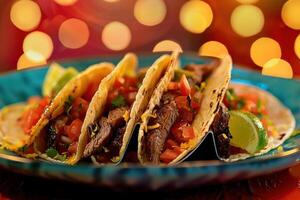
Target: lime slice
247,131
54,73
67,75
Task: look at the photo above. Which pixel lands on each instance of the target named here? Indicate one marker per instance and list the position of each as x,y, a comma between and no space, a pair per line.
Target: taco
56,134
116,108
19,121
251,122
180,110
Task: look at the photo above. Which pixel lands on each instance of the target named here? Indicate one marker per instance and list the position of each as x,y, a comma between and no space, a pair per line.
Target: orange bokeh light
65,2
24,62
38,46
290,14
73,33
278,68
214,49
25,15
167,45
196,16
116,36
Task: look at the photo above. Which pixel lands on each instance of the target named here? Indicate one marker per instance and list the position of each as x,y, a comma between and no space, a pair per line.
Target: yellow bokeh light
65,2
264,49
214,49
290,14
38,46
297,46
150,12
24,62
247,20
73,33
196,16
247,1
116,36
167,45
25,15
278,68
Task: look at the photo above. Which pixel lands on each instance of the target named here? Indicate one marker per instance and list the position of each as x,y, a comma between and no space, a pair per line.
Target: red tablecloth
281,185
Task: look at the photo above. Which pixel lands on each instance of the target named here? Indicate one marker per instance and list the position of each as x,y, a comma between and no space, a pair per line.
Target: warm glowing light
38,46
73,33
111,1
25,14
247,20
65,2
264,49
196,16
167,45
278,68
290,14
247,1
214,49
116,36
297,46
150,12
25,62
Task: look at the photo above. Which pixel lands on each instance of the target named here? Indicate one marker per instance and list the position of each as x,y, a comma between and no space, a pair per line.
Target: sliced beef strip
115,117
202,72
221,131
101,139
167,114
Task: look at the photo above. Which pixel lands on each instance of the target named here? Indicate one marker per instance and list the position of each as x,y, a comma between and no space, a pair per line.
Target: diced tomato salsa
30,117
182,130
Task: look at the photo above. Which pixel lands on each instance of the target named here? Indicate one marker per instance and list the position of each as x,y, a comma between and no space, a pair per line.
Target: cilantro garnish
119,101
23,148
51,152
68,105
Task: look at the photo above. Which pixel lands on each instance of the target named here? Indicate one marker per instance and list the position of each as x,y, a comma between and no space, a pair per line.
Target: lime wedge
247,131
67,75
54,73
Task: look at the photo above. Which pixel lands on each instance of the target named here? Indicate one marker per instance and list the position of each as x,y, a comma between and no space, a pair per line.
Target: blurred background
259,34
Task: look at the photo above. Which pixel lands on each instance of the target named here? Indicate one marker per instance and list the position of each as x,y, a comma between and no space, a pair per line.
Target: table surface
281,185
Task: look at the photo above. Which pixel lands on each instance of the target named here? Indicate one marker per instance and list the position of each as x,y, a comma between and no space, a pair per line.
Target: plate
18,86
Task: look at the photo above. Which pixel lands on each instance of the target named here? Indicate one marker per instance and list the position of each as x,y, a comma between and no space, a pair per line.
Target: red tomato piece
79,108
73,148
172,86
131,81
74,129
188,133
182,102
119,82
186,115
250,97
170,144
130,97
168,155
184,86
176,131
195,105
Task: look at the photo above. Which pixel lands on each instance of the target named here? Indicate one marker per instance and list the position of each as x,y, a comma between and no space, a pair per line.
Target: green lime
67,75
247,131
54,73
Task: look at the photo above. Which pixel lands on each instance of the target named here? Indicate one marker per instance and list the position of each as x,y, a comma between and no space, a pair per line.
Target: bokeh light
247,1
38,46
290,14
167,45
111,1
297,46
24,62
116,36
65,2
214,49
150,12
25,15
247,20
264,49
278,68
196,16
73,33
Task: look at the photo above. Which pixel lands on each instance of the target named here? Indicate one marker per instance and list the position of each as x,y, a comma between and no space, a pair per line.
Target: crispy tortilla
74,88
214,92
96,108
281,116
